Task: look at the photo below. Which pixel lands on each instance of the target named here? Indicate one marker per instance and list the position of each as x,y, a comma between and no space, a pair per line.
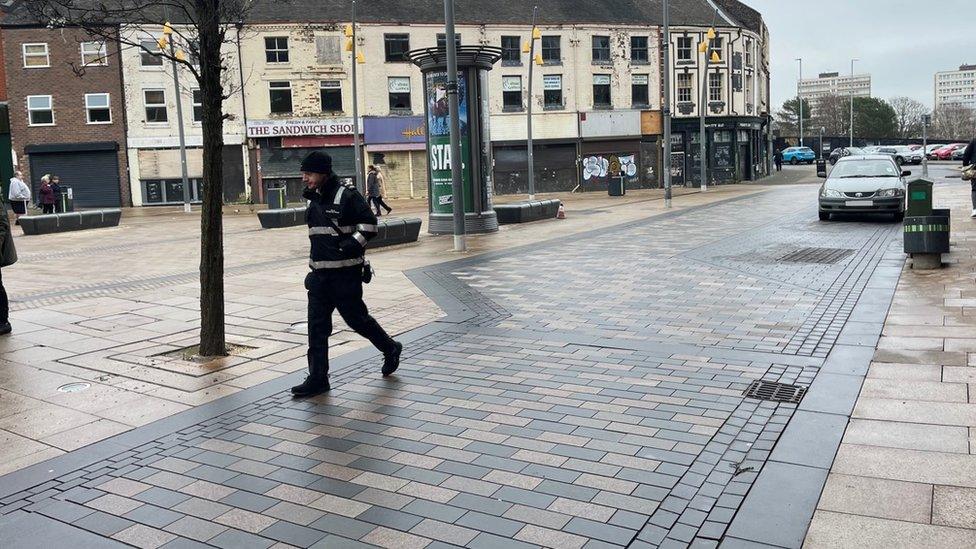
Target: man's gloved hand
350,247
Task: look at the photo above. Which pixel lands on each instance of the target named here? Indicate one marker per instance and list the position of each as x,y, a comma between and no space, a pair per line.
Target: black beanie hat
317,162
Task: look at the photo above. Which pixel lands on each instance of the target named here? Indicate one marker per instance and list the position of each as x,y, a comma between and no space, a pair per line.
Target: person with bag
56,189
340,223
375,189
969,171
46,193
8,256
19,195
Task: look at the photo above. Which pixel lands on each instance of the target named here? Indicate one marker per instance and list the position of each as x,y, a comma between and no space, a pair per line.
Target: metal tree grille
827,256
778,392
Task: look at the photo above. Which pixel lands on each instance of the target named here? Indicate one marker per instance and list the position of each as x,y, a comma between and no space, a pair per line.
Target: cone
561,214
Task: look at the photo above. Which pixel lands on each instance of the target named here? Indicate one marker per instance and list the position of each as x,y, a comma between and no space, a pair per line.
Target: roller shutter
90,169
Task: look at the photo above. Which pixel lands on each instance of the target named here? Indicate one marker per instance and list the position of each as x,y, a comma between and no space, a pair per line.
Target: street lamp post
799,98
528,110
666,107
355,105
926,120
168,34
822,130
705,48
457,190
852,100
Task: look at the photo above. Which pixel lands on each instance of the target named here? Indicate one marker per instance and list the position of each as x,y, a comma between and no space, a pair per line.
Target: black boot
311,386
391,360
5,328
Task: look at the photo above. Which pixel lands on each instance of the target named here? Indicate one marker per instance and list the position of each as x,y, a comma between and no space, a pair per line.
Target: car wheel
794,161
824,216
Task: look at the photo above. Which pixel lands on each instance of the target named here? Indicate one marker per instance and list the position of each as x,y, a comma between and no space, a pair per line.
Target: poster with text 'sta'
439,142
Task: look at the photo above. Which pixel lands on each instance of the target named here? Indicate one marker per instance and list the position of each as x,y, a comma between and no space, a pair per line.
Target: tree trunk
212,337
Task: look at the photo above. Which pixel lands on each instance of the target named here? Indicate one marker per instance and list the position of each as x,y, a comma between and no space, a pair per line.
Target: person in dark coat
5,234
968,159
778,160
56,187
340,223
375,189
46,193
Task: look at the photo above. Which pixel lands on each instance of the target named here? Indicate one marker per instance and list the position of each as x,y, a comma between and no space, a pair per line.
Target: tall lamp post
666,108
536,35
357,58
457,190
711,56
822,130
852,100
799,98
167,40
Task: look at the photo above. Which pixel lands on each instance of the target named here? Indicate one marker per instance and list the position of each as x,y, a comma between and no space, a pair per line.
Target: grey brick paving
592,397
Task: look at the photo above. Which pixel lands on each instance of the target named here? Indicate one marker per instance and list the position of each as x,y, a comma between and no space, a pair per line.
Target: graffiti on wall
611,165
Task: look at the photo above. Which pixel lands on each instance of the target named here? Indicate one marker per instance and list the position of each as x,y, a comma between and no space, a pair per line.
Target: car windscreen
864,168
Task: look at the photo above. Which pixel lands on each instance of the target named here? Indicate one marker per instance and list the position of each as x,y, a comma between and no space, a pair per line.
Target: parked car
908,155
871,149
841,152
863,184
957,154
945,153
930,148
795,155
891,151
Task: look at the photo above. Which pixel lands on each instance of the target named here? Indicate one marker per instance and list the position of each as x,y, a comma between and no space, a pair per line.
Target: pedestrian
340,222
8,255
46,193
778,159
56,187
19,195
968,159
375,189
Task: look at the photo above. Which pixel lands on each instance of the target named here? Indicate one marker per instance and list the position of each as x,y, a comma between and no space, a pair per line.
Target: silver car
863,184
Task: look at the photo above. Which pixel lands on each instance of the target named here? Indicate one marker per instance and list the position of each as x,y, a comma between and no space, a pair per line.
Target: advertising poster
439,142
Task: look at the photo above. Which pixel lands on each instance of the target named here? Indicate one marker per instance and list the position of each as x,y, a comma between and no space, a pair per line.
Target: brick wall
68,91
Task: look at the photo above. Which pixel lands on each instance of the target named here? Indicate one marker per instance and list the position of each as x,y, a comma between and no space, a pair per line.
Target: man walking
778,159
339,225
19,195
968,159
375,189
8,255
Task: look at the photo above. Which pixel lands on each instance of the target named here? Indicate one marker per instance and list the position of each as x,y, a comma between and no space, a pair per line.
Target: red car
945,153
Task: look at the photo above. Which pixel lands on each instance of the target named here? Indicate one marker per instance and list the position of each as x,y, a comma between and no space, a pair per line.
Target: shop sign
300,126
601,79
398,85
552,82
394,129
610,123
640,79
511,83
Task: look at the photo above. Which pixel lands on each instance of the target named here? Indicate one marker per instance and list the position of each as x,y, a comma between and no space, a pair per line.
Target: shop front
555,146
280,146
610,148
156,170
735,150
397,145
91,170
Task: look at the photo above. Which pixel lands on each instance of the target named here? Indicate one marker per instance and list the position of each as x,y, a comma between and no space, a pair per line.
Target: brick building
66,115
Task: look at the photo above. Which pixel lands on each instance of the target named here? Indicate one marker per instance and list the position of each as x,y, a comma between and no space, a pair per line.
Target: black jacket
349,212
969,155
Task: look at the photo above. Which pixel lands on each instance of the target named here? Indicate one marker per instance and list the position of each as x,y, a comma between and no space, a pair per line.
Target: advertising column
439,143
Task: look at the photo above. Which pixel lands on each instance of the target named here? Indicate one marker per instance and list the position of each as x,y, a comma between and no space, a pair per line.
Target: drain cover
74,387
827,256
779,392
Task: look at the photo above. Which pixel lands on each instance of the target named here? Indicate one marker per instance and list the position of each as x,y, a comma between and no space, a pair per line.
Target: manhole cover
74,387
827,256
778,392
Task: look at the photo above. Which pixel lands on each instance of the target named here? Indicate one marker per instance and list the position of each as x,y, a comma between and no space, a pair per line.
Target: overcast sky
901,43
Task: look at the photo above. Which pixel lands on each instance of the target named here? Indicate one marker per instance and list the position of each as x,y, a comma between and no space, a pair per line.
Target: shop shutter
92,175
283,163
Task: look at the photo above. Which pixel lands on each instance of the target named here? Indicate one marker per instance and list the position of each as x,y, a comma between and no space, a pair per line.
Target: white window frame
194,105
277,50
146,105
102,53
291,94
142,52
47,55
108,105
50,102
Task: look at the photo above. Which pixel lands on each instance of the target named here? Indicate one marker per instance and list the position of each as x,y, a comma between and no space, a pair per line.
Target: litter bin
275,195
919,198
926,231
65,202
617,187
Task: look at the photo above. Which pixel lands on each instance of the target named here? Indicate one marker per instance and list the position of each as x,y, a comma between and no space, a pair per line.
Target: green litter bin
919,198
617,186
275,196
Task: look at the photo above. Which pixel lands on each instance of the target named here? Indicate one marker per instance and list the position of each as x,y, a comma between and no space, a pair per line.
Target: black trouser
972,193
47,208
779,166
4,306
328,290
377,201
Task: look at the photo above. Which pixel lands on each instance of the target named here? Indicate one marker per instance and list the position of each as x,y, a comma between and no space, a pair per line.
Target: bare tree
203,27
954,121
832,112
909,113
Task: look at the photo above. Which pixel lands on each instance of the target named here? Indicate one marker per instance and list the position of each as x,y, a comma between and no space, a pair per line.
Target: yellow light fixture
167,29
162,43
716,58
710,34
180,56
349,32
360,58
703,47
526,48
538,59
349,45
536,33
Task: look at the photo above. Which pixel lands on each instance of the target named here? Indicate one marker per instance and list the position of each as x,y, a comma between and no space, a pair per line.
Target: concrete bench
389,232
70,221
524,212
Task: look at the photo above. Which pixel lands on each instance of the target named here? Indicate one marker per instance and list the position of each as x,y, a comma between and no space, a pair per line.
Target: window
197,102
552,91
714,87
399,90
280,96
276,49
330,94
396,46
748,52
684,88
684,48
155,101
98,107
551,53
442,40
638,49
638,90
716,45
601,90
40,110
327,50
148,59
512,93
511,50
36,55
601,48
93,53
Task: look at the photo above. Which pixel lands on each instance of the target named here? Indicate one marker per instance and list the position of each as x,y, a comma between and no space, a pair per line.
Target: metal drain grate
779,392
826,256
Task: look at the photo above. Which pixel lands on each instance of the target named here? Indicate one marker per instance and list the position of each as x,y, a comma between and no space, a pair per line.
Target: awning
313,141
391,147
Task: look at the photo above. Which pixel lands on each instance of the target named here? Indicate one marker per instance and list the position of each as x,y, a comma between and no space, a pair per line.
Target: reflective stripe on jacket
343,245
